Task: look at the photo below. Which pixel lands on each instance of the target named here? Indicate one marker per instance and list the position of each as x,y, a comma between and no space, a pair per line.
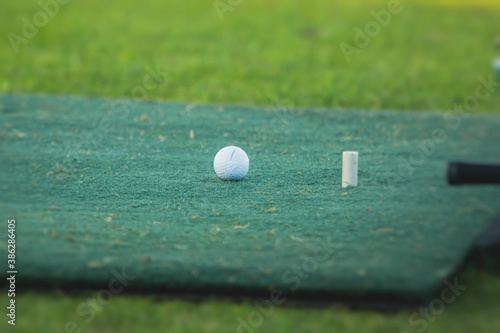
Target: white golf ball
231,163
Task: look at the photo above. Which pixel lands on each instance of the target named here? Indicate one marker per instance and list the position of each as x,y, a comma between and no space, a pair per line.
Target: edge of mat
266,108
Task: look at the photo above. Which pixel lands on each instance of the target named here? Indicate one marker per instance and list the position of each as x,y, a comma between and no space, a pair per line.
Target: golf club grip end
472,173
454,176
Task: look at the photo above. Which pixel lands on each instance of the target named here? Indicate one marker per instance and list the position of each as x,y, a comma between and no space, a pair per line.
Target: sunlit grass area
427,57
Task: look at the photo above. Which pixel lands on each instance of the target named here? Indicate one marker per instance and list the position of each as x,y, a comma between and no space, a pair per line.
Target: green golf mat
103,187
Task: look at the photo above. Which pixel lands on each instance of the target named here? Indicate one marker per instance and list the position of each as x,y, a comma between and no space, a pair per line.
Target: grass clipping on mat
100,187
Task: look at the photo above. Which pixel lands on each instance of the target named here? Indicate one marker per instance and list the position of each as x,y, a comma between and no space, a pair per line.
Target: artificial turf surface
100,185
428,58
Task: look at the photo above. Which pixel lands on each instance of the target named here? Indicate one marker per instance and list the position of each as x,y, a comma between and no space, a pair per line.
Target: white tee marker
349,168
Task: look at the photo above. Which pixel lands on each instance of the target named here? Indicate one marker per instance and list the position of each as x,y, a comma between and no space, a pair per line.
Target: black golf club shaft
460,173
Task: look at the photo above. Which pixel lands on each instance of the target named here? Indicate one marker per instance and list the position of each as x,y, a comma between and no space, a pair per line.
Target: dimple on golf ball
231,163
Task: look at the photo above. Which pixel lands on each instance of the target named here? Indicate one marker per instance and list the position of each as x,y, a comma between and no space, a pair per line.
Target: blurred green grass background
263,53
474,311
